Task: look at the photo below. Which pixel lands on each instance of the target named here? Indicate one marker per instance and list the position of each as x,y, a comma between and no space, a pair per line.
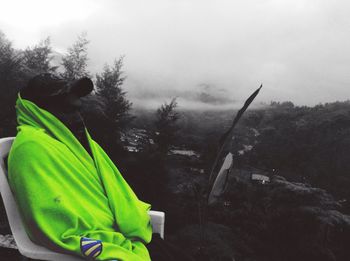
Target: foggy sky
298,49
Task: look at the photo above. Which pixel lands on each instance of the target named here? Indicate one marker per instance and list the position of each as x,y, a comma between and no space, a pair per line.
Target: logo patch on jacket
90,247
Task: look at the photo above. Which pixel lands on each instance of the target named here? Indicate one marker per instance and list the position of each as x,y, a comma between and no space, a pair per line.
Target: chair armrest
157,221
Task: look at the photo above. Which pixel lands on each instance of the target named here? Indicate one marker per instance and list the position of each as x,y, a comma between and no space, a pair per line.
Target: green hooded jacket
69,201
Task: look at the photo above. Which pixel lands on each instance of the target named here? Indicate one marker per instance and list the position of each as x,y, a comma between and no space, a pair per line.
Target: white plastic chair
25,246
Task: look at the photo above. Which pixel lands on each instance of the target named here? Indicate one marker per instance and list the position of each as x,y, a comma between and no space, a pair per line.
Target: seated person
71,196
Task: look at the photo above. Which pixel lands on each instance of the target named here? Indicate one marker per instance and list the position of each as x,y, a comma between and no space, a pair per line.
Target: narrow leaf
221,179
227,136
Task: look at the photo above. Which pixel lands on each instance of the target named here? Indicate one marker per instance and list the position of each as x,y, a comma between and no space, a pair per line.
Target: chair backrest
25,246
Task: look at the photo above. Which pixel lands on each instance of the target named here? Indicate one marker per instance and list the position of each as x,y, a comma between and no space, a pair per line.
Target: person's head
58,96
53,93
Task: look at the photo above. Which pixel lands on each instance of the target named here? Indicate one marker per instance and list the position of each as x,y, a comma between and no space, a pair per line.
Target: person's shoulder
30,139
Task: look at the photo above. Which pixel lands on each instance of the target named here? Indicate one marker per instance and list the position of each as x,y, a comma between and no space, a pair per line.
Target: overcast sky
299,49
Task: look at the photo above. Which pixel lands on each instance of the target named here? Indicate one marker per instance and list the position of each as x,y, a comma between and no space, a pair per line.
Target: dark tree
113,116
37,59
12,78
109,88
166,125
75,61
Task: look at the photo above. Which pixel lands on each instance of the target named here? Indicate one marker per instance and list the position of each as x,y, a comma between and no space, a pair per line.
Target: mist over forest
296,48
